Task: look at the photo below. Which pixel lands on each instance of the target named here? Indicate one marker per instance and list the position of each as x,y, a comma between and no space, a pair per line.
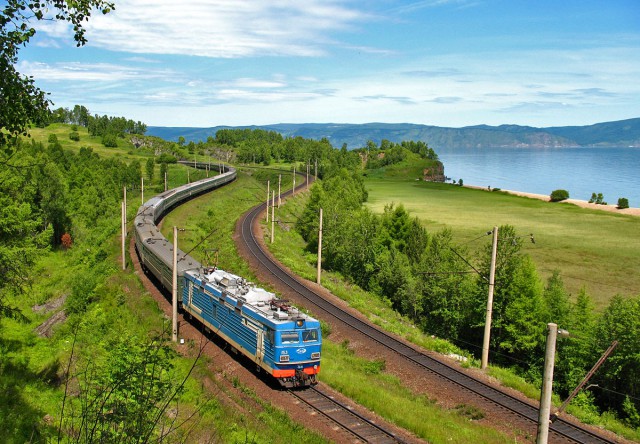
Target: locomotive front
297,344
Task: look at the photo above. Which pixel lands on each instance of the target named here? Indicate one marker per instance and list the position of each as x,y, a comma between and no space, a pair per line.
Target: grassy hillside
112,312
593,249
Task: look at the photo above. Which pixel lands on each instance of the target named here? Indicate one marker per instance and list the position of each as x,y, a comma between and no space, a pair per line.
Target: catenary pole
174,288
547,383
492,282
279,186
273,216
268,196
294,181
318,278
123,225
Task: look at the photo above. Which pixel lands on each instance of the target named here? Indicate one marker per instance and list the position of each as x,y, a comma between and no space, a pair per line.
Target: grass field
593,249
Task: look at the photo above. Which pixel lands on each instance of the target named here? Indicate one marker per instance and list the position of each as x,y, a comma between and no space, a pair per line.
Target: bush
623,203
559,195
73,135
110,141
166,158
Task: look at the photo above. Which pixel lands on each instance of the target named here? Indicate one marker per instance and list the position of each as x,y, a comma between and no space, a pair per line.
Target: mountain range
606,134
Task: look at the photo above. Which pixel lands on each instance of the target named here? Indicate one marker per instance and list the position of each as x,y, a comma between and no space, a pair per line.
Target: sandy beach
580,203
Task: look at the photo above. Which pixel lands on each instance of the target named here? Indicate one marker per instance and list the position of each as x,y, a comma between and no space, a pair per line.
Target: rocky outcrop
434,173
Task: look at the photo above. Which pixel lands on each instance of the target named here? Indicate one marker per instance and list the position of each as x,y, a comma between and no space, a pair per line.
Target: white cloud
89,72
218,28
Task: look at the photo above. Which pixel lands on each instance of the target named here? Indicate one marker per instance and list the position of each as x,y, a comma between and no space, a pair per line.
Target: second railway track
560,430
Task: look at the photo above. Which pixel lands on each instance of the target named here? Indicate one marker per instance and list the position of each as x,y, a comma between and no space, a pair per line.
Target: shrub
559,195
460,182
73,135
110,141
623,203
166,158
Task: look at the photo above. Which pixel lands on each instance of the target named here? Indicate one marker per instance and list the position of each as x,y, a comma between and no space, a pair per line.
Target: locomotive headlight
300,322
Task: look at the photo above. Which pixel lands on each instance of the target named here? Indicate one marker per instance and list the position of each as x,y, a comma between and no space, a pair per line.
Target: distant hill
620,133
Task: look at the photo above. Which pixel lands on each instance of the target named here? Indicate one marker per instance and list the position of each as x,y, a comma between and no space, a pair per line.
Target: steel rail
344,416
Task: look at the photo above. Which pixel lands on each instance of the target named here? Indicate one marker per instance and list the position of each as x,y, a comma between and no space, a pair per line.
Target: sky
454,63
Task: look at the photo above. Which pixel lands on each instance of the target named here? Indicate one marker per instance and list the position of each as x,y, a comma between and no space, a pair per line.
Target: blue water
614,172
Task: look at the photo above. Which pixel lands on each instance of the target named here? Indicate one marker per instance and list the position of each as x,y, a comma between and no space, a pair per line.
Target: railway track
559,430
362,428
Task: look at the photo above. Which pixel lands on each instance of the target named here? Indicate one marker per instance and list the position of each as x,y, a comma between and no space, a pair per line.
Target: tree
559,195
621,372
623,203
21,102
150,168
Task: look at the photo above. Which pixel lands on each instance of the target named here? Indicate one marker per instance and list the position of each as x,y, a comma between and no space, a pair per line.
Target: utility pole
165,181
279,183
142,190
268,195
315,174
273,215
319,249
492,282
174,289
294,181
123,225
547,382
307,174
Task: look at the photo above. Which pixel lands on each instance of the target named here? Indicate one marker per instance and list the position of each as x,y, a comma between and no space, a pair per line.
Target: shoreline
577,202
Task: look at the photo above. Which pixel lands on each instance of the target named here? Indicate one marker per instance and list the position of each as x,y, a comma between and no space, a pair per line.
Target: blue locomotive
279,338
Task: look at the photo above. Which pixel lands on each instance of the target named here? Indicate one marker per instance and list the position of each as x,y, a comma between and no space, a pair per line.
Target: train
281,340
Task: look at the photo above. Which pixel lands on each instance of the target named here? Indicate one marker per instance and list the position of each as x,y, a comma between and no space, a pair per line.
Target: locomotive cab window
310,335
290,336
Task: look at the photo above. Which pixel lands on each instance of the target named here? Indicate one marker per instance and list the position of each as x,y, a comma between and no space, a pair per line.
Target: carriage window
310,335
290,336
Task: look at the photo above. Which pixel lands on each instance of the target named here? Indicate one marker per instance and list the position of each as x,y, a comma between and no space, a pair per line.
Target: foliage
74,136
126,398
559,195
623,203
21,102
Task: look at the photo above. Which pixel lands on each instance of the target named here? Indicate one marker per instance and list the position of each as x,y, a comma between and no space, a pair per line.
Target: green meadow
597,250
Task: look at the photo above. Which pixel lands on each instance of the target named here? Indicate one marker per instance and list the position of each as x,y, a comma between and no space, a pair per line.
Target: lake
614,172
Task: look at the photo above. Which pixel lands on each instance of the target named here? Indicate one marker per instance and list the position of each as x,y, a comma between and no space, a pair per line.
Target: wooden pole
492,282
123,226
174,289
294,181
279,186
142,190
308,174
547,383
165,181
319,249
273,216
268,196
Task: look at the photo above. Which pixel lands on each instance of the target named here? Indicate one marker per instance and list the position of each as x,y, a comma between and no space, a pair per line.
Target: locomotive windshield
310,335
290,336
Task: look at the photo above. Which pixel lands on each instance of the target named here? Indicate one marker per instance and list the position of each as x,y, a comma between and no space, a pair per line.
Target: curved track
561,429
